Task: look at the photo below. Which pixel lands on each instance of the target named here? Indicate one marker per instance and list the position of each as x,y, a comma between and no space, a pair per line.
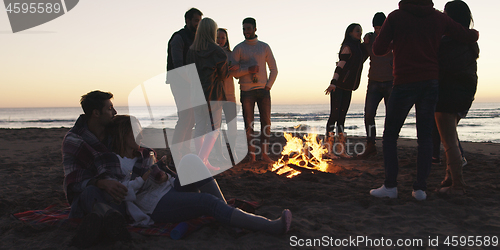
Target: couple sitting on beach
109,181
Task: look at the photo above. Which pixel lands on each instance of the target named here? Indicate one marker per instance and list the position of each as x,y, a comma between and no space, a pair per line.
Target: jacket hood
418,8
209,52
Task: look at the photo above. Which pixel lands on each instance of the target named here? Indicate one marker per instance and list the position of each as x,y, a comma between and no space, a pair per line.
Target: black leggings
340,100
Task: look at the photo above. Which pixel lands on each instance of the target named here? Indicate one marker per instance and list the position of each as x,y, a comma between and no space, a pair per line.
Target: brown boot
329,142
370,150
340,146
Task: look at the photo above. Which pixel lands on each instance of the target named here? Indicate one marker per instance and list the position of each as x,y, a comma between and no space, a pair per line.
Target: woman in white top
163,199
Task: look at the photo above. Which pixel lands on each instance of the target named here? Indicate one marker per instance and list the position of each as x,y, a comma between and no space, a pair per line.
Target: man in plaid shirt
89,167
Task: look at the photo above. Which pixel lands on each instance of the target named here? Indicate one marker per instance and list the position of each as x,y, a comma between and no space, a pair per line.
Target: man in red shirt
413,32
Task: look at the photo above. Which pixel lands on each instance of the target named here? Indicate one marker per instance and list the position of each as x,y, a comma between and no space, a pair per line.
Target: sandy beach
323,204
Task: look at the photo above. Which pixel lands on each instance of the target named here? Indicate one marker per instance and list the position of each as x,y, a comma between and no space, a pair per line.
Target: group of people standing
418,57
201,42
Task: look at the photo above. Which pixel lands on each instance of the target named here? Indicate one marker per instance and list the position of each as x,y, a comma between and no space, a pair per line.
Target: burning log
307,153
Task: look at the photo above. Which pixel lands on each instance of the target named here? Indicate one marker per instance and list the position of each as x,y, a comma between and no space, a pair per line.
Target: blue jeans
84,203
263,99
374,94
340,100
183,203
424,96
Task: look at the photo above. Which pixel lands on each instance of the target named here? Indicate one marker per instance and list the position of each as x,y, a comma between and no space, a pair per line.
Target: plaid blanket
56,216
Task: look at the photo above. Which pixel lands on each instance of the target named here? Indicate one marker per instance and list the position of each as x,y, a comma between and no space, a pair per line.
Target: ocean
480,125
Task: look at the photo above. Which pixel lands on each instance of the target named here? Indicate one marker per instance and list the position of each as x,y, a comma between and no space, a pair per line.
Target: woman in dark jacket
457,87
211,64
346,79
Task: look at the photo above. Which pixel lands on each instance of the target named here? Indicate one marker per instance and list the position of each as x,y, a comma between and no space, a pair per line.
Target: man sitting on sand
86,161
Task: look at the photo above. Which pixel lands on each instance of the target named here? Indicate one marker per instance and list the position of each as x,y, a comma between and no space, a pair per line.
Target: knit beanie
378,19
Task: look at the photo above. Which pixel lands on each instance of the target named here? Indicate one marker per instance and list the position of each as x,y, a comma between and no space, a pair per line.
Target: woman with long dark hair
346,79
457,87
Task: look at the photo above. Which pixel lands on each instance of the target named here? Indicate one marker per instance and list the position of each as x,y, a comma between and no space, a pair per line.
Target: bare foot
452,190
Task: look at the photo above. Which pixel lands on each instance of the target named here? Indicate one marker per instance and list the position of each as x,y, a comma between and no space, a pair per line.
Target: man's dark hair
191,12
94,100
251,21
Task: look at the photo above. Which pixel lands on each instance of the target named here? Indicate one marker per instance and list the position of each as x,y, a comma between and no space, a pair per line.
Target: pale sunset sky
116,45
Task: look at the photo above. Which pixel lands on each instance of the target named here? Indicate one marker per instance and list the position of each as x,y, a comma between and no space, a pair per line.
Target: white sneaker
419,195
385,192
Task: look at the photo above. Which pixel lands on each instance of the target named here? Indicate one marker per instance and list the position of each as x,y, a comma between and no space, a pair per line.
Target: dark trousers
340,100
424,96
183,203
374,94
262,98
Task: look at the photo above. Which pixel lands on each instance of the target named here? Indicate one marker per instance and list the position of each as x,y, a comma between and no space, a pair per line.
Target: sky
116,45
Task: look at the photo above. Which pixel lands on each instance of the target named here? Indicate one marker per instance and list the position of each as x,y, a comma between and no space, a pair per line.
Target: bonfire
301,153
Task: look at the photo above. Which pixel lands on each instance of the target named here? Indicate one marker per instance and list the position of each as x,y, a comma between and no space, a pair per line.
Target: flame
307,153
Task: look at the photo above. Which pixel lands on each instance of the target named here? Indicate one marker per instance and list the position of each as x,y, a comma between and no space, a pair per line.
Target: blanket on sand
54,215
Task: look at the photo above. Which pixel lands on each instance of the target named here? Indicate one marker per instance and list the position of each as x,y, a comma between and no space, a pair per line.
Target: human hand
114,188
163,177
164,159
267,88
330,88
253,69
366,39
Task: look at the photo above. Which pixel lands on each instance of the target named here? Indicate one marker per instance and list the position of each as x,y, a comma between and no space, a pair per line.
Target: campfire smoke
305,153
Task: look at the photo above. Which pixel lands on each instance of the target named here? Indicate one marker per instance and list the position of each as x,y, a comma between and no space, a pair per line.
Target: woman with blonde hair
211,64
